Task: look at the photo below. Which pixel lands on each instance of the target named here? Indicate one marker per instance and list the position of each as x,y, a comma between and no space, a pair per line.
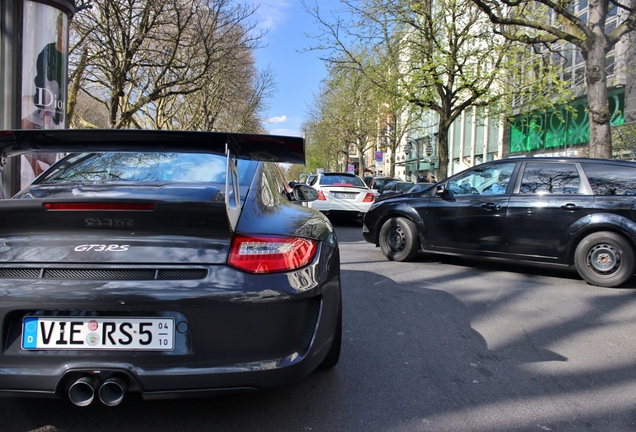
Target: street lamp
408,147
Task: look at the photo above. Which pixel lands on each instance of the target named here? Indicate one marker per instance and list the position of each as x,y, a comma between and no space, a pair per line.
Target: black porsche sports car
168,263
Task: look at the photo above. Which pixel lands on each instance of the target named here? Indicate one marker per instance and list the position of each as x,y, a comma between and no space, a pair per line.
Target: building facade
476,137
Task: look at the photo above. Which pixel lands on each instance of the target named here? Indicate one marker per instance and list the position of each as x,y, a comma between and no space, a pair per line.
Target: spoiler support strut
232,191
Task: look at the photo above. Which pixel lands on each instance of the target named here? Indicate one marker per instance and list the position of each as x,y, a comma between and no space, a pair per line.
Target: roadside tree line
166,64
408,58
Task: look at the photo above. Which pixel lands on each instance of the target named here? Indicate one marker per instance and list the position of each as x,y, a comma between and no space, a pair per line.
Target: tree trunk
75,86
442,150
597,104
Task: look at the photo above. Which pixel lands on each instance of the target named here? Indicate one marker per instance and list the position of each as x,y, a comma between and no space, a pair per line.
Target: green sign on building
560,128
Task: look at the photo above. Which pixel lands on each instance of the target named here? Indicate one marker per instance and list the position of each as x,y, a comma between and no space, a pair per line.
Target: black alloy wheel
605,259
399,240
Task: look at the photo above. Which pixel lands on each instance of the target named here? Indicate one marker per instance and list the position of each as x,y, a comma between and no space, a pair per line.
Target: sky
297,72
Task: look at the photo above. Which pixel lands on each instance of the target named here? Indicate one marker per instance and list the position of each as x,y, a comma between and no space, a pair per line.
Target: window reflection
611,179
146,167
550,178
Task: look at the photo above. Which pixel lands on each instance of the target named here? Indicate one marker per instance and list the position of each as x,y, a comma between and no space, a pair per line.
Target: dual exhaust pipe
111,392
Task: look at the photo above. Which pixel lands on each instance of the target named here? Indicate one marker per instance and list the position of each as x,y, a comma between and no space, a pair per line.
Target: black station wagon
576,212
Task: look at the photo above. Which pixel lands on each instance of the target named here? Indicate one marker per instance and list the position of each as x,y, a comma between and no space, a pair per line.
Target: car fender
598,222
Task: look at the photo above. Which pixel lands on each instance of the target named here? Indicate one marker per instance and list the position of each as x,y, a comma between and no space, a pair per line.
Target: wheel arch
601,222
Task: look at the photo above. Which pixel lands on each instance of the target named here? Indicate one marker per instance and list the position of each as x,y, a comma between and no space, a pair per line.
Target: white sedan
341,194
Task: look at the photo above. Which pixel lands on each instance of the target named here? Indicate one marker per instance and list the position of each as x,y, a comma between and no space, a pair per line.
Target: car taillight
369,198
321,196
265,254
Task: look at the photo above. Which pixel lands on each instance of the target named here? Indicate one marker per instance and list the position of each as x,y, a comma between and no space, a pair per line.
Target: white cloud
271,13
277,119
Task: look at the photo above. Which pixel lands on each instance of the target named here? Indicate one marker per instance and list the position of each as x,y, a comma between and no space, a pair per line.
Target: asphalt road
441,344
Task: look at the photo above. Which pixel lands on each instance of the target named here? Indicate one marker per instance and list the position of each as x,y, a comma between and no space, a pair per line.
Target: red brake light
265,254
369,198
321,196
100,206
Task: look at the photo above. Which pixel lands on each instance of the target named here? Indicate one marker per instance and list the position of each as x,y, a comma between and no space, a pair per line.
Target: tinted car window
491,179
550,178
340,180
611,179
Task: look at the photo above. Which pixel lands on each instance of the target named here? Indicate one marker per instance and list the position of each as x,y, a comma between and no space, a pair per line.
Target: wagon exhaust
112,391
82,391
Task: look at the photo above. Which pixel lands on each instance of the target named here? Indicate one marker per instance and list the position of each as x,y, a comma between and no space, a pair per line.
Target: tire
333,356
605,259
399,240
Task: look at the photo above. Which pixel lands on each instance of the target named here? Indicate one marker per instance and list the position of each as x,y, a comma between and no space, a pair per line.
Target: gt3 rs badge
101,248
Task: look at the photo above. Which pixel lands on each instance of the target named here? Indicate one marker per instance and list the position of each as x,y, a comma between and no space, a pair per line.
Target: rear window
146,167
379,183
341,180
609,179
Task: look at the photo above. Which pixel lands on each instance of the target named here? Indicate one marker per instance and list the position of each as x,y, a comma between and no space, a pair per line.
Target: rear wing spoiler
270,148
267,148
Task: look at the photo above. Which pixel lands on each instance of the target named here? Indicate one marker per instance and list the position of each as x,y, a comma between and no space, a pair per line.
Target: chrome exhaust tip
82,392
112,391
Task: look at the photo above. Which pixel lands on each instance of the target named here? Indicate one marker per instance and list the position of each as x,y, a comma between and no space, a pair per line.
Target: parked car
341,194
156,262
393,188
575,212
376,183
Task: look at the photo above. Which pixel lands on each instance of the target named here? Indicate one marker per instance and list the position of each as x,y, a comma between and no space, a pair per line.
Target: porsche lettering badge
109,223
101,248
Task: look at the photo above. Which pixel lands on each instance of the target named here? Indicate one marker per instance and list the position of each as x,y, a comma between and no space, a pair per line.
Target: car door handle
491,206
571,206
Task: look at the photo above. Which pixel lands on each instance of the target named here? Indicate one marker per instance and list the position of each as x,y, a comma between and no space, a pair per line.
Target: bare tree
234,100
141,58
549,21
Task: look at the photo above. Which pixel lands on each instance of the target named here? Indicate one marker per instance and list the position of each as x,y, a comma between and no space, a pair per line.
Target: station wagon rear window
607,179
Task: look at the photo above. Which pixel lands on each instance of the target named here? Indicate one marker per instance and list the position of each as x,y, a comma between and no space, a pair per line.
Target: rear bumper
356,209
169,382
238,332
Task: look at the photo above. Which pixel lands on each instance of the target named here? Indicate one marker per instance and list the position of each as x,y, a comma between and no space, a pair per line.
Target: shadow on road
412,361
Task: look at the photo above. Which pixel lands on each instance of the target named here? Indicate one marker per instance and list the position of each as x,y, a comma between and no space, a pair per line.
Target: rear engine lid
113,231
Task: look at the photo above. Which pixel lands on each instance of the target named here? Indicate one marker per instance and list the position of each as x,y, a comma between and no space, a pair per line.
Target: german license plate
97,333
344,195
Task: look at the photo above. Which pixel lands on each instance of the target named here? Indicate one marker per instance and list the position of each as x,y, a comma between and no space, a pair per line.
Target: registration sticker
97,333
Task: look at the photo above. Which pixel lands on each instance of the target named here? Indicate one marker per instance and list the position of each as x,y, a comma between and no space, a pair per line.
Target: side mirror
304,193
442,192
439,191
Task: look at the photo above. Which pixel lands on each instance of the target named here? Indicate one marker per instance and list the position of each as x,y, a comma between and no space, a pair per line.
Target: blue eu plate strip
30,333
